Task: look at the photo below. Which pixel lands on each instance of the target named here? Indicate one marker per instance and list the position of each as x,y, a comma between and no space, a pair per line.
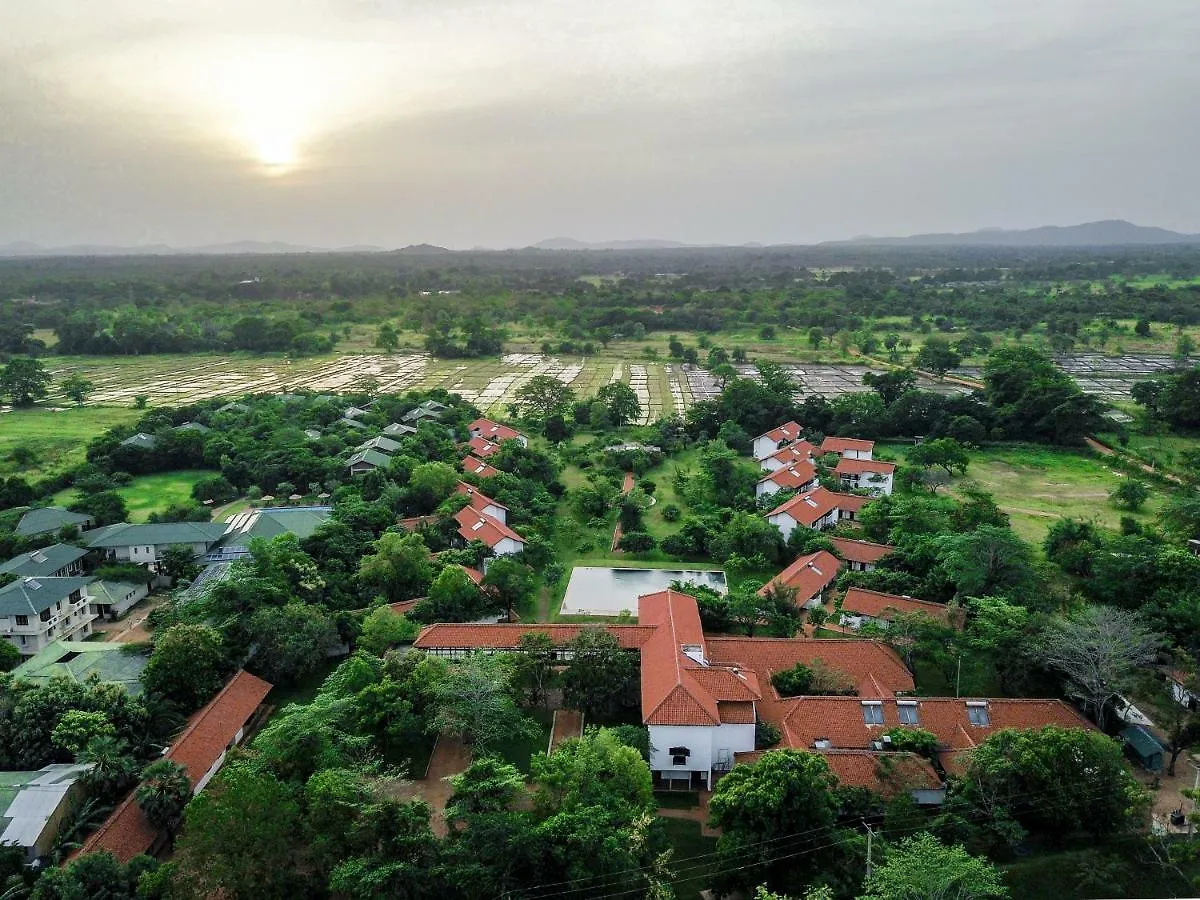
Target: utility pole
958,675
870,843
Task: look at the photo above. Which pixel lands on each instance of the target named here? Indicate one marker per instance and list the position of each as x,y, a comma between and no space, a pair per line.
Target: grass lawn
1160,450
519,750
148,493
688,843
1036,485
56,441
1058,876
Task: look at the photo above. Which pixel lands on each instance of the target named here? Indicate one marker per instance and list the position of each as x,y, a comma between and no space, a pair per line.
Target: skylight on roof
32,583
477,525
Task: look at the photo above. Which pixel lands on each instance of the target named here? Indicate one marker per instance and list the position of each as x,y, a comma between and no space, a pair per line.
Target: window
907,713
679,755
44,615
977,714
22,620
872,713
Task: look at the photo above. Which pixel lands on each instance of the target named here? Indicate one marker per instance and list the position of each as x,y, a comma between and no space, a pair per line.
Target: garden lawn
1037,485
693,874
148,493
56,440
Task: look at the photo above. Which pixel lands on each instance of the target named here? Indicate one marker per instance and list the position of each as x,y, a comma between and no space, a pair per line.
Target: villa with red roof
495,432
482,447
860,556
767,444
799,452
809,576
818,509
499,538
473,465
861,606
795,477
482,503
848,448
865,474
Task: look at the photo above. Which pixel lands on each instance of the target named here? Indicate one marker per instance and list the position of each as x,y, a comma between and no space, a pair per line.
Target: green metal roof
374,457
113,592
155,534
193,426
141,440
381,443
42,563
29,596
78,660
1142,741
269,523
49,518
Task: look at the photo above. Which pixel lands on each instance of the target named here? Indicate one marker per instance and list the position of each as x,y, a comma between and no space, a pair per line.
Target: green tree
291,641
179,563
923,868
383,628
78,727
476,702
620,401
815,337
601,677
386,338
453,597
945,453
164,792
535,665
488,785
187,665
77,388
1130,494
989,561
113,769
891,385
596,770
937,356
24,380
10,657
399,568
430,484
544,395
511,583
105,507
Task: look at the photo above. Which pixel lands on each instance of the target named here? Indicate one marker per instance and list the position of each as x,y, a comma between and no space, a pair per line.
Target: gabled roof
841,445
671,694
847,466
155,534
850,502
800,451
44,562
809,575
479,500
473,465
371,457
482,447
208,734
381,443
30,800
793,476
788,431
808,507
49,518
398,430
878,605
863,552
477,526
79,660
30,596
198,427
493,431
507,636
141,441
474,574
301,521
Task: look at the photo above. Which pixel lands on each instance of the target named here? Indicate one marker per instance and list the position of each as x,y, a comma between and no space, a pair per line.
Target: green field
148,493
1037,485
56,440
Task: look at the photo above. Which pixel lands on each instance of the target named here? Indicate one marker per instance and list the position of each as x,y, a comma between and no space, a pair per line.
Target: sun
276,151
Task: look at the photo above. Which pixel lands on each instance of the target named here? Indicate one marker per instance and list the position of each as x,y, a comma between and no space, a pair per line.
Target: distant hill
1111,232
421,250
566,243
27,248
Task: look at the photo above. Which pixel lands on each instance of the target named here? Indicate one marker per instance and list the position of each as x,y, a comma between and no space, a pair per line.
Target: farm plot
824,380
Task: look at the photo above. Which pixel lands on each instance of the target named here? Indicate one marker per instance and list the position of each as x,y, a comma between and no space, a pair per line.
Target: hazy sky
502,122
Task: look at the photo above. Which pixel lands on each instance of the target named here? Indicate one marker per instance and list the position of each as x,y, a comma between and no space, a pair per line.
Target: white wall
764,447
763,488
705,742
857,454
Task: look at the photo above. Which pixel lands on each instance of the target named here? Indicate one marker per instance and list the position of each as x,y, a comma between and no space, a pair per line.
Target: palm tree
164,792
83,821
113,768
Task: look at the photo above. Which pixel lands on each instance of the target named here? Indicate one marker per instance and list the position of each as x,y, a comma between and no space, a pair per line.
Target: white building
795,477
865,474
848,448
145,544
36,611
768,444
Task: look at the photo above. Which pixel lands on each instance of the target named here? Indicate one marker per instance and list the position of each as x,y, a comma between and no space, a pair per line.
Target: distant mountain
422,250
27,248
566,243
1111,232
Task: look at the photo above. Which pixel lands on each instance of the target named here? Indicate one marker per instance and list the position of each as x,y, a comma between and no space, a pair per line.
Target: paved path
625,489
695,814
132,629
450,757
568,723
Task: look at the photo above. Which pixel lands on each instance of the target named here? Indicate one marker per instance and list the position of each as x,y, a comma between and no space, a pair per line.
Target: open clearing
1037,485
148,493
55,439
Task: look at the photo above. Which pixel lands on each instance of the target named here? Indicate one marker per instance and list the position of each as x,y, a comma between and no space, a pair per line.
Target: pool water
599,591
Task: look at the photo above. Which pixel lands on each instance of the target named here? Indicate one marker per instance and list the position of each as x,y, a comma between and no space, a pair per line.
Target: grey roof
354,412
193,426
354,423
141,440
29,800
113,591
312,434
374,457
382,444
398,430
77,660
49,518
301,521
234,407
29,596
155,534
430,409
42,562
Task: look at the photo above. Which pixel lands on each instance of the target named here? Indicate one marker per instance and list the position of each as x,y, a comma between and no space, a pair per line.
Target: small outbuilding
1143,748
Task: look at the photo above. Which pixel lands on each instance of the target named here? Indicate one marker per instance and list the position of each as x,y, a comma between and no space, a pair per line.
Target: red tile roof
414,523
493,431
474,574
850,502
808,507
860,551
809,575
800,451
479,500
482,447
208,734
878,605
477,526
505,636
886,774
847,466
472,465
671,695
788,431
792,477
841,445
736,712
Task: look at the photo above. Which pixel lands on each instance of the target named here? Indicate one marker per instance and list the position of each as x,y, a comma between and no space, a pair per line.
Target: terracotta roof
809,575
482,447
800,451
788,431
731,684
479,500
879,605
847,466
414,523
474,574
793,476
505,636
860,551
477,526
808,507
735,712
472,465
671,695
886,774
493,431
850,502
841,445
208,734
840,719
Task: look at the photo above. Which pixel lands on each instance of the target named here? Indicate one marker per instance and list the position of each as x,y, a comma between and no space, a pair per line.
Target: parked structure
818,509
365,461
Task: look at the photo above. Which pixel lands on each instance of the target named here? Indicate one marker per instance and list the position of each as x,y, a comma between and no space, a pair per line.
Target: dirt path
1105,450
131,629
450,757
626,487
568,723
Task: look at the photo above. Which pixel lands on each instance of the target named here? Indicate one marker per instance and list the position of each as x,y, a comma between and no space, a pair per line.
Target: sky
499,123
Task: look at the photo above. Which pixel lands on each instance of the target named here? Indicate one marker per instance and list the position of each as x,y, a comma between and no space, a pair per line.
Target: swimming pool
602,591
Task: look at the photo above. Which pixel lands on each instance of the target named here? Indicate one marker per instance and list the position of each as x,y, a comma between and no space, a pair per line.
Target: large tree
164,792
620,401
24,380
76,387
544,395
399,568
602,677
989,561
923,868
291,641
511,583
187,666
477,702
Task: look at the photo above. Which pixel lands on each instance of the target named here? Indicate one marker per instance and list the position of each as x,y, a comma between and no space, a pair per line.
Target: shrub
766,736
671,513
637,542
793,682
